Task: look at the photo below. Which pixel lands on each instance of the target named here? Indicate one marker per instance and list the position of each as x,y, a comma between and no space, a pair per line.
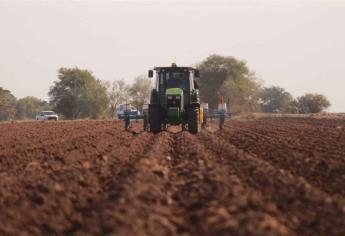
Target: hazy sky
298,45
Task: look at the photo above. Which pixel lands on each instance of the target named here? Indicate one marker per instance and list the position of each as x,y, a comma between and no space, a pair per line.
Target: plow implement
221,117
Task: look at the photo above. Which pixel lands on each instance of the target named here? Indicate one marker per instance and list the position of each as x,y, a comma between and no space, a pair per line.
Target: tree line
244,91
78,94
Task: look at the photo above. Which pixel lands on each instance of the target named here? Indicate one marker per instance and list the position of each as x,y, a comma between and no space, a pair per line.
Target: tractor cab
175,98
174,81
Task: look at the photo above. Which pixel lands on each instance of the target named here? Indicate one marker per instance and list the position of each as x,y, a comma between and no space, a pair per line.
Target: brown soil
271,176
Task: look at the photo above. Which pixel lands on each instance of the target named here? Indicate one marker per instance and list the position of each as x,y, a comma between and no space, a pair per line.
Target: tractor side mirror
150,73
196,74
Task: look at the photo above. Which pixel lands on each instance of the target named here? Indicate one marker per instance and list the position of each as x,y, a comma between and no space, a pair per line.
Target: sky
297,45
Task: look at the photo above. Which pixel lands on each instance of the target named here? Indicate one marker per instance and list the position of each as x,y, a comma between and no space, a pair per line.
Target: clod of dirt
86,165
60,159
270,223
158,173
37,199
33,164
58,187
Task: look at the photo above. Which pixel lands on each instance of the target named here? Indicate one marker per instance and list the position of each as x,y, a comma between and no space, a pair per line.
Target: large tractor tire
155,119
193,120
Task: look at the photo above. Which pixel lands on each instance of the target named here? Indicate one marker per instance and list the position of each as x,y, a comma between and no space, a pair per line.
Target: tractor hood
174,92
174,97
174,104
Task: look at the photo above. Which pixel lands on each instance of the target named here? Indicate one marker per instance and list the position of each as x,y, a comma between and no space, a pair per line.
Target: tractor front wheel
155,119
193,120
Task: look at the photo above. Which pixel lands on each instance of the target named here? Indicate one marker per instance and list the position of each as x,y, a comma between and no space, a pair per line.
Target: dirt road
271,176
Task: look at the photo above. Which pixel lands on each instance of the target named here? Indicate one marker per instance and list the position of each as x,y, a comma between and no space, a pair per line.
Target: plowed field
270,176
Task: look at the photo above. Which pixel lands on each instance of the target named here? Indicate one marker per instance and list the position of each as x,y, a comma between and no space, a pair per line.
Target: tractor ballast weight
175,99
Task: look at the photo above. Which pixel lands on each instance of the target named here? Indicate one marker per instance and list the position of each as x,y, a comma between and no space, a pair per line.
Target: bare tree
118,92
140,91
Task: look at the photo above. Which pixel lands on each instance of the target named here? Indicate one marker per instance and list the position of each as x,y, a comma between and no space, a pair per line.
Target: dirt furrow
312,211
139,202
94,178
48,140
318,164
214,201
310,121
301,137
65,183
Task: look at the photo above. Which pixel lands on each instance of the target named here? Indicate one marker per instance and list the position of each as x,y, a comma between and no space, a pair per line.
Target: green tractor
175,99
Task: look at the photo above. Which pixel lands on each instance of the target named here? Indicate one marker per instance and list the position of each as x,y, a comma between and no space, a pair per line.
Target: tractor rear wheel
155,119
193,120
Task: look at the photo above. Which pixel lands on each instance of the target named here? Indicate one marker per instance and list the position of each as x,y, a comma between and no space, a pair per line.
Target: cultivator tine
127,123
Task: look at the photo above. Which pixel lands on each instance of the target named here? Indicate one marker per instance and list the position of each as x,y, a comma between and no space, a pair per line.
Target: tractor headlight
177,97
169,97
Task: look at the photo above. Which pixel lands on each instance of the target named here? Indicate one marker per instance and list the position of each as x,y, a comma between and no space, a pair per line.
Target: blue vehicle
124,110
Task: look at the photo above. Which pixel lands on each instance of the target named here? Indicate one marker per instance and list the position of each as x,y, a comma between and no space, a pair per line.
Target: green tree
78,94
231,78
242,95
118,92
7,104
140,91
293,107
275,99
29,107
312,103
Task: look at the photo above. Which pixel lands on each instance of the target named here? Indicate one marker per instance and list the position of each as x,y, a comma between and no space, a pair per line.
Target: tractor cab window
174,80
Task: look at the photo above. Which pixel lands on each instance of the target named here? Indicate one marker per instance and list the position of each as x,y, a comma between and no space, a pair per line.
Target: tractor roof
173,68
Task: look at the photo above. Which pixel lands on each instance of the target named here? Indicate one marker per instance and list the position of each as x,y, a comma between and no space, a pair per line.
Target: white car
47,115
